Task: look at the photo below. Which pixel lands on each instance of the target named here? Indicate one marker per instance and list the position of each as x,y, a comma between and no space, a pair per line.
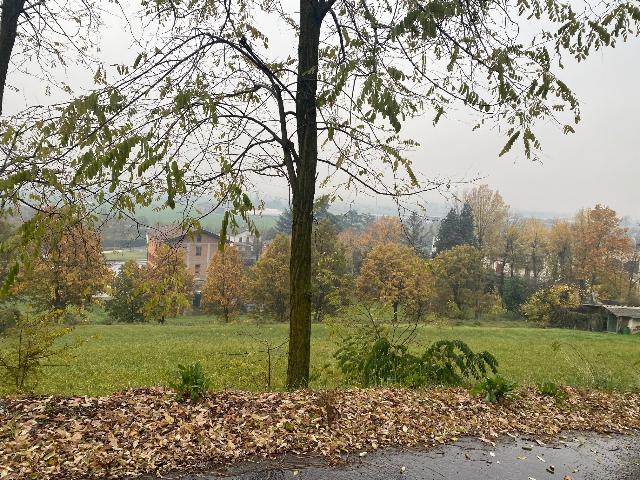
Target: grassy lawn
114,357
123,255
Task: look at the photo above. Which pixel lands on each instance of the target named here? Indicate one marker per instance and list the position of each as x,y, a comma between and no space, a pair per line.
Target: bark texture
11,10
303,193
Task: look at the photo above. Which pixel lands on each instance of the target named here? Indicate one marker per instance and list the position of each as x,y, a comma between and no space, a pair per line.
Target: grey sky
600,163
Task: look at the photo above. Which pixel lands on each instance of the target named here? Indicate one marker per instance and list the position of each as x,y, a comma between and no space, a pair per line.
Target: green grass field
125,254
211,222
114,357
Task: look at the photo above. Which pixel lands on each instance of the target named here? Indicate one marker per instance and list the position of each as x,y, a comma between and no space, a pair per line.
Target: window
197,268
198,238
198,251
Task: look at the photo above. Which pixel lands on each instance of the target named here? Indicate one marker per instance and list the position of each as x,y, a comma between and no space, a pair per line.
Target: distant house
248,245
198,247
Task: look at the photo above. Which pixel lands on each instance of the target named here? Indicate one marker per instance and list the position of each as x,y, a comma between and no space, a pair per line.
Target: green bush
515,292
29,345
445,362
192,383
495,389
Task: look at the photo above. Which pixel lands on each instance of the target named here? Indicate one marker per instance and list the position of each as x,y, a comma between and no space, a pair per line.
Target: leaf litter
147,432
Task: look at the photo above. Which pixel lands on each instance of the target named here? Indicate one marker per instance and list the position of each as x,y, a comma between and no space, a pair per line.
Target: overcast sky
600,163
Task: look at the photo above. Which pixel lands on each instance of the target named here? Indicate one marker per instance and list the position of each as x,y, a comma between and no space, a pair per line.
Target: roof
175,233
631,312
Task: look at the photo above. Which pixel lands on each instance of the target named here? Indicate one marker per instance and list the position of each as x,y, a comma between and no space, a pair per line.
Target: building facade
197,248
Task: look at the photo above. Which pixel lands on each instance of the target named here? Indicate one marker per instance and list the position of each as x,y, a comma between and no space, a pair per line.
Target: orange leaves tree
394,275
167,285
225,286
384,230
270,278
601,247
69,269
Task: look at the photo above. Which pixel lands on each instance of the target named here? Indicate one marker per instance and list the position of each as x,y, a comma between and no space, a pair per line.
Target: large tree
225,286
127,300
456,228
417,234
601,247
46,34
490,214
270,278
395,276
207,107
459,275
69,269
167,286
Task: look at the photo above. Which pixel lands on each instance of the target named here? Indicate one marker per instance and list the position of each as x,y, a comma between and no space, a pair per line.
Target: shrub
515,292
192,383
28,347
495,389
546,301
445,362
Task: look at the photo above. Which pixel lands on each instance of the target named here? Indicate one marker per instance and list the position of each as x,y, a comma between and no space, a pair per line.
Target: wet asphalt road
579,456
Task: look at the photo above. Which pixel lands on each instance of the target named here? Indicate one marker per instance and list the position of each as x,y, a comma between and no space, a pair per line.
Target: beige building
198,247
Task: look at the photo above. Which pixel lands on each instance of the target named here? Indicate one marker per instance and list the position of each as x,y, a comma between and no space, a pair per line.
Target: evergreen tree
447,234
417,236
465,226
354,220
456,229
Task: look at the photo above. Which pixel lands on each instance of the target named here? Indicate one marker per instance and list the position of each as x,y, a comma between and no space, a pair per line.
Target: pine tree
447,234
465,226
417,236
456,229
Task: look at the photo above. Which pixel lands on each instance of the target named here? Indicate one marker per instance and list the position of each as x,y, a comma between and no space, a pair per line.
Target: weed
550,389
192,383
495,389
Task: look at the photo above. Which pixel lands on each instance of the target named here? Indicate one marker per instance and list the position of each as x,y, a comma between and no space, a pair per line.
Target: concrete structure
198,247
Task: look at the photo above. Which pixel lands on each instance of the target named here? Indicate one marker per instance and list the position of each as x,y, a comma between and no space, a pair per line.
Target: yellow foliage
225,286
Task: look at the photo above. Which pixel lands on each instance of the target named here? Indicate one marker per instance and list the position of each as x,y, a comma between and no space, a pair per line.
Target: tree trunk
303,193
11,10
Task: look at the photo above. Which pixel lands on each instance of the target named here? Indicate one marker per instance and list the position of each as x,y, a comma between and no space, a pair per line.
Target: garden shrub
28,346
445,362
192,383
495,389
